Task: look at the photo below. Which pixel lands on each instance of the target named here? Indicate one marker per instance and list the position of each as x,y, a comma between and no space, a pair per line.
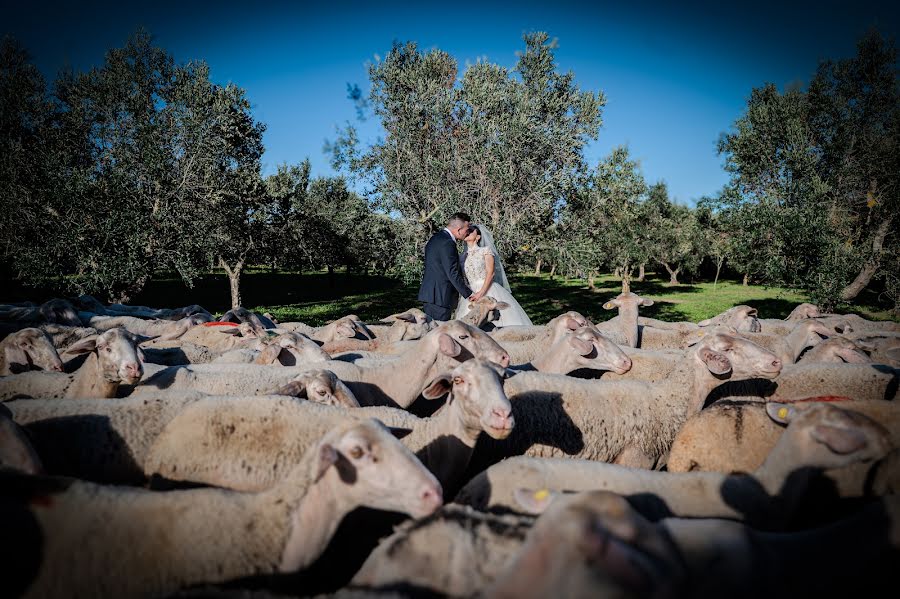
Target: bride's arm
489,275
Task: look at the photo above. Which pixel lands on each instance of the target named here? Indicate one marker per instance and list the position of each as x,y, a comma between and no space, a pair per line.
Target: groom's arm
450,265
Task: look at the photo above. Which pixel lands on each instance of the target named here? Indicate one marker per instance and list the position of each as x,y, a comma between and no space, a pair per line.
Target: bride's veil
487,240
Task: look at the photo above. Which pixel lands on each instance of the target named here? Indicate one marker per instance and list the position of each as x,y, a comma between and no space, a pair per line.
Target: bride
486,277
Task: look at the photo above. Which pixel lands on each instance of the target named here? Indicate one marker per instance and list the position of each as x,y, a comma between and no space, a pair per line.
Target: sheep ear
501,305
705,323
294,389
840,440
780,412
449,346
85,346
328,456
398,432
609,305
270,354
572,324
439,387
535,501
406,317
471,306
344,395
646,302
582,346
141,356
345,329
716,362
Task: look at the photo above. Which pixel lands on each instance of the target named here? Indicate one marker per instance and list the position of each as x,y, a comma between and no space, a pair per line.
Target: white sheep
736,436
522,332
112,359
836,350
28,349
107,441
395,383
630,422
287,349
822,437
627,321
160,329
346,327
248,445
124,542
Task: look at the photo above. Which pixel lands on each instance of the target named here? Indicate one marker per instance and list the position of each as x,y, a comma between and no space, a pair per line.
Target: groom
442,280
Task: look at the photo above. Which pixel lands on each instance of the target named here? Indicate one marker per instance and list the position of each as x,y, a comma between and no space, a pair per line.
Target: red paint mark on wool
818,398
219,324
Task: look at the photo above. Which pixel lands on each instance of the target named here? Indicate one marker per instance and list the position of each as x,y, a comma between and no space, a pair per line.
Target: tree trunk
618,272
537,266
871,267
673,274
641,274
552,271
591,276
234,280
626,285
746,280
718,270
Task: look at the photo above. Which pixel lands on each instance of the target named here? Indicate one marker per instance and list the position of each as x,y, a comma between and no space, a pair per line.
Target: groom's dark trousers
442,282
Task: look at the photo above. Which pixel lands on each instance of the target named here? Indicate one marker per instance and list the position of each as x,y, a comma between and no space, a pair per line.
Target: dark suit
442,282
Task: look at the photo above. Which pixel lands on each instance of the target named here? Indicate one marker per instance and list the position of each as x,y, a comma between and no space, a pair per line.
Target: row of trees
144,165
812,201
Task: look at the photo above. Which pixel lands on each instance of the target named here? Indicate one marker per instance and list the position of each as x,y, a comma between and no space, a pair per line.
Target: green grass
317,298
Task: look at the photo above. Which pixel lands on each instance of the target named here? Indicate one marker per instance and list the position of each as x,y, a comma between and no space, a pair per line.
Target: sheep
58,311
806,379
526,350
28,349
396,383
455,552
628,304
387,337
803,311
265,438
107,541
629,422
160,329
242,315
742,318
216,336
822,437
584,348
96,439
112,359
576,350
483,312
287,349
837,349
804,334
736,436
64,336
16,451
346,327
414,315
883,348
515,333
109,442
595,544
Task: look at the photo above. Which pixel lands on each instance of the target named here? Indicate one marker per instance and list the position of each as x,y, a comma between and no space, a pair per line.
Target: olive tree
504,145
820,169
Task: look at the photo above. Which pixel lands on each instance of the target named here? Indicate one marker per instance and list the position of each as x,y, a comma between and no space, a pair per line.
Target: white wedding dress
475,270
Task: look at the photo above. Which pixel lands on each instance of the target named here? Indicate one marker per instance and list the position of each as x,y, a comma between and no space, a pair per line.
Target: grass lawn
317,298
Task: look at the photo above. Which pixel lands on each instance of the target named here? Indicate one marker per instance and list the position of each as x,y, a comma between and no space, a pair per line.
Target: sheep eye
463,336
107,349
457,380
321,392
356,452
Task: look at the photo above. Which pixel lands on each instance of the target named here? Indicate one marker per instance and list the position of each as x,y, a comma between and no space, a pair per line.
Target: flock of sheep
162,452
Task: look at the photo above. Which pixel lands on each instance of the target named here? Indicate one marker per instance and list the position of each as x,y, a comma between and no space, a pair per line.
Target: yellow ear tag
542,494
782,412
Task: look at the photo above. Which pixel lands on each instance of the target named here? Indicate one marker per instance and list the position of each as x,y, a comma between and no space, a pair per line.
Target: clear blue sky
675,74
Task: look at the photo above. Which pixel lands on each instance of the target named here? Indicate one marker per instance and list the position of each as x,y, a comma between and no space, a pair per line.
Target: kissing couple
446,286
